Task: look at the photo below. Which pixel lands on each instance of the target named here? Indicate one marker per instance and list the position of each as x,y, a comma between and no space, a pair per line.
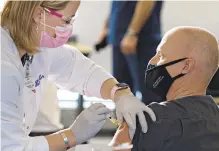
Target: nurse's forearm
107,87
56,141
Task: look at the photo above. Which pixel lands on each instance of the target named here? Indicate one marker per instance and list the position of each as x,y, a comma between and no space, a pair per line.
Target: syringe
112,118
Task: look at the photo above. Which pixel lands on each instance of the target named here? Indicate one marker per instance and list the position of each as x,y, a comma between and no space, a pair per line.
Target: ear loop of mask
44,20
166,64
44,24
179,76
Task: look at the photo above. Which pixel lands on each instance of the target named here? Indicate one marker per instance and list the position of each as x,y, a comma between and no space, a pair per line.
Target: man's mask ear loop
179,76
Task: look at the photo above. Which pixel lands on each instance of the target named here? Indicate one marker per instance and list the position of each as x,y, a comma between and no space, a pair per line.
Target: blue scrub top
120,18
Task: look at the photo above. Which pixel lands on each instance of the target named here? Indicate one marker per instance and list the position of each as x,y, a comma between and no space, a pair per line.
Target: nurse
33,34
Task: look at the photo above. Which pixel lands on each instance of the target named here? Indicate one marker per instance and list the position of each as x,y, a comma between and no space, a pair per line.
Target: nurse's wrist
120,93
107,87
61,140
71,137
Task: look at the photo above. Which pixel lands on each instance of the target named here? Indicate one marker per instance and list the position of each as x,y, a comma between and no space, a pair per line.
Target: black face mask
158,80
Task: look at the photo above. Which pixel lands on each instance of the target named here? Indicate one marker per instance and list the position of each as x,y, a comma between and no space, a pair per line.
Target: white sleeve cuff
40,143
95,81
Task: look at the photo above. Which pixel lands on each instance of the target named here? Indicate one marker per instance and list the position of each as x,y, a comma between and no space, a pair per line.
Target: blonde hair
17,17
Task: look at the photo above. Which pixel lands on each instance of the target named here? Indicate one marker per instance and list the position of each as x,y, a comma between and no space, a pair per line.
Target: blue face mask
158,80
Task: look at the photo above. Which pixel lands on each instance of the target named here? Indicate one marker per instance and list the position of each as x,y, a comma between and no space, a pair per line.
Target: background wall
92,14
88,25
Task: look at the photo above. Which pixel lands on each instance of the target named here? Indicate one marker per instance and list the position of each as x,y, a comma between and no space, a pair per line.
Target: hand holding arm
127,106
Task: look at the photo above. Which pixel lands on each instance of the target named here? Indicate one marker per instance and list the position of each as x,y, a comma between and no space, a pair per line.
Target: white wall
1,4
197,13
92,14
88,25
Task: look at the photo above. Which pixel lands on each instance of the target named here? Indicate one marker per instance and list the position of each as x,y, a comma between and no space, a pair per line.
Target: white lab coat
64,65
48,118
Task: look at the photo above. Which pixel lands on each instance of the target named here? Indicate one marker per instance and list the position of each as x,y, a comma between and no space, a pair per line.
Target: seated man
188,120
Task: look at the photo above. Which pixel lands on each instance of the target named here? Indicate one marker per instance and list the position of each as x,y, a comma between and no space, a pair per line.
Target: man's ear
38,14
188,66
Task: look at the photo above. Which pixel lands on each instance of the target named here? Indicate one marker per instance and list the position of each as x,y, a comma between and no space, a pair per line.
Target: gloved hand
127,107
89,122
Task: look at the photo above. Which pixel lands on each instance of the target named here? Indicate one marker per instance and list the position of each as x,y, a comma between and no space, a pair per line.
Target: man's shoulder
167,114
199,107
168,110
158,131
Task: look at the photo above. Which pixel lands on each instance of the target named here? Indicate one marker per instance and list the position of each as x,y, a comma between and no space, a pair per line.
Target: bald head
194,43
199,49
202,47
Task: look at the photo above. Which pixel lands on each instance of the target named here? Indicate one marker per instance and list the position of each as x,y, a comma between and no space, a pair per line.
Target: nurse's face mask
62,33
158,79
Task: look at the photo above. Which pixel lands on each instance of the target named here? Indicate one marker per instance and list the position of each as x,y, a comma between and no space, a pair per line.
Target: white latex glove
127,107
89,122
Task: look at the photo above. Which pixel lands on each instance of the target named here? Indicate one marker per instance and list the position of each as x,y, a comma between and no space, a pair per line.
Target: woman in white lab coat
33,34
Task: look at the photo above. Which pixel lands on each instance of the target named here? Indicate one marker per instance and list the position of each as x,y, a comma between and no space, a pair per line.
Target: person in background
188,119
133,28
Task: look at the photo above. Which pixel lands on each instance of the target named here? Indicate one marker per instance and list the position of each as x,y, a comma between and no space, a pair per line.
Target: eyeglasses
67,20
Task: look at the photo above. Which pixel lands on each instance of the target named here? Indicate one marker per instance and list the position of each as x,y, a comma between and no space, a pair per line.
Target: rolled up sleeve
70,69
13,136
